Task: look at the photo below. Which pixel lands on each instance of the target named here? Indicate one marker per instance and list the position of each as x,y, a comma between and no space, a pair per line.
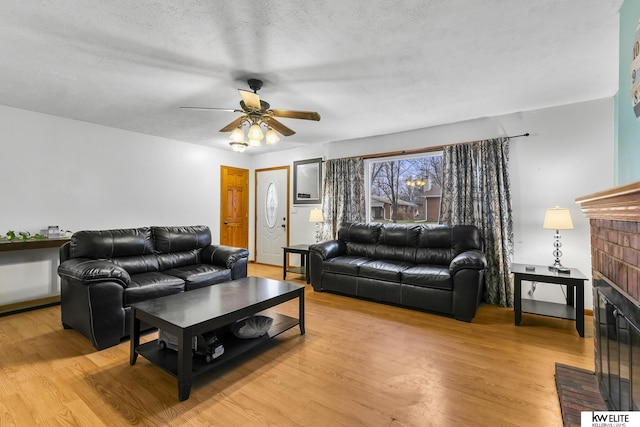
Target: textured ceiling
368,67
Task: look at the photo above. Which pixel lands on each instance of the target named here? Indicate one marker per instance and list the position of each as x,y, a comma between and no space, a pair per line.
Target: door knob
226,222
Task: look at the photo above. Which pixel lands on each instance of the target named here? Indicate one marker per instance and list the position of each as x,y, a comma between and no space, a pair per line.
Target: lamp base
557,253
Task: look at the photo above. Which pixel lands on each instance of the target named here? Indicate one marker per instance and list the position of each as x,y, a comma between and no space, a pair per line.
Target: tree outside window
405,189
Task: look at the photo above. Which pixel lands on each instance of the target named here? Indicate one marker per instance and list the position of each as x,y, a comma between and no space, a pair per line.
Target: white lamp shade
255,132
254,142
557,219
315,216
271,137
237,135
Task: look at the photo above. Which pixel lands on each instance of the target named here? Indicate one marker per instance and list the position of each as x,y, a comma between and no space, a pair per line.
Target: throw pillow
252,327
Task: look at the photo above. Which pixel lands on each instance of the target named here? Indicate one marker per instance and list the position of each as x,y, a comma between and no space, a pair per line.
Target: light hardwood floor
359,364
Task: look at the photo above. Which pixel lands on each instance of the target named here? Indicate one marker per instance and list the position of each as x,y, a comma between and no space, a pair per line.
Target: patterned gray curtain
343,195
476,191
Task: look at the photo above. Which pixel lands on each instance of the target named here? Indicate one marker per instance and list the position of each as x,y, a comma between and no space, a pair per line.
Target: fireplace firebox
617,351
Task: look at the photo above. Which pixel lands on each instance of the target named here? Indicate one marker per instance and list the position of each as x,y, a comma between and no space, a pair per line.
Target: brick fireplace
614,216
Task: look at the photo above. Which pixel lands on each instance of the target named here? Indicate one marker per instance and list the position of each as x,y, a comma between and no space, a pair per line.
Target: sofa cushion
398,253
428,276
200,275
137,264
465,237
439,256
435,245
400,235
366,250
435,236
384,269
178,239
145,286
345,264
107,244
178,259
360,232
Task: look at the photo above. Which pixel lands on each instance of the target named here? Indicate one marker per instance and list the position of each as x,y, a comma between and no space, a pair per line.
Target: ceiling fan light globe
238,147
254,142
237,135
271,137
255,132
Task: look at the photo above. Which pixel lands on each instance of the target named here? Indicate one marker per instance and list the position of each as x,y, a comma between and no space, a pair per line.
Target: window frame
383,158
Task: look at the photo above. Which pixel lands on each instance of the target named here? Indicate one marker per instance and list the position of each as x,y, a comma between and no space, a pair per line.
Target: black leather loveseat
103,272
437,268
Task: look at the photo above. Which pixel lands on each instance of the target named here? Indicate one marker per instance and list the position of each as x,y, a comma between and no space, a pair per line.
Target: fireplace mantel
618,203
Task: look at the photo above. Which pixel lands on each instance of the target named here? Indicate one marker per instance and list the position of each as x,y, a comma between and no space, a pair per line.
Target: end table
574,280
303,251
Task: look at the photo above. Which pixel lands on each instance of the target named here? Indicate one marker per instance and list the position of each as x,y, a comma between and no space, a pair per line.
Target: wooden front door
234,207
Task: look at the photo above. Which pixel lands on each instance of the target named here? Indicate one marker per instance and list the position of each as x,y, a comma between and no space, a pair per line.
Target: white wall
77,175
568,154
300,229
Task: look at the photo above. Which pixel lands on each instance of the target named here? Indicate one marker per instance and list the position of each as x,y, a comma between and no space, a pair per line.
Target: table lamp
316,216
557,219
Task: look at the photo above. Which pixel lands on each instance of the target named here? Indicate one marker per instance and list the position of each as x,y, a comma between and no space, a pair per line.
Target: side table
303,251
574,280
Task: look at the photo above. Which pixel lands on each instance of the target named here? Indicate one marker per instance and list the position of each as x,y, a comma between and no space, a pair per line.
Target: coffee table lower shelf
167,359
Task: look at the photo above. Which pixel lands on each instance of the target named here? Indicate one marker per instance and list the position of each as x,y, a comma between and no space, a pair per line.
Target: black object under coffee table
187,314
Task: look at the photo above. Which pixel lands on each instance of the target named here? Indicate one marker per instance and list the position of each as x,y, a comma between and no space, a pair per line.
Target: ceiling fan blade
251,100
234,124
306,115
279,127
208,108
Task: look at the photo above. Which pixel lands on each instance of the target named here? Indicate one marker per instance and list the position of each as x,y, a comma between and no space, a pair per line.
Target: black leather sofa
438,268
103,272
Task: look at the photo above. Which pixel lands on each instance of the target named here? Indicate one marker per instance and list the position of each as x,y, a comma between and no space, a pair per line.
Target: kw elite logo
609,419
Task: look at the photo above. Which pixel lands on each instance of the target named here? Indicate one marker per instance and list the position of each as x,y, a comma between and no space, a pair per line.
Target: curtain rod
422,150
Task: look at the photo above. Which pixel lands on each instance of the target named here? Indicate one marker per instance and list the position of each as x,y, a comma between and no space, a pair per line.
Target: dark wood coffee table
187,314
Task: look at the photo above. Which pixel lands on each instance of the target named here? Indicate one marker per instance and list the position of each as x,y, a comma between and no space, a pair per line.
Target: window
405,188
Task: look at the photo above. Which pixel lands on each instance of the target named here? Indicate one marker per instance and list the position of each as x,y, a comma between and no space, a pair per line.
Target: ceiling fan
257,112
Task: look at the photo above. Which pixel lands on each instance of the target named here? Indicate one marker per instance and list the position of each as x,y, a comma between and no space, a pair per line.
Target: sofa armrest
328,249
89,271
235,259
320,252
222,255
472,259
467,271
